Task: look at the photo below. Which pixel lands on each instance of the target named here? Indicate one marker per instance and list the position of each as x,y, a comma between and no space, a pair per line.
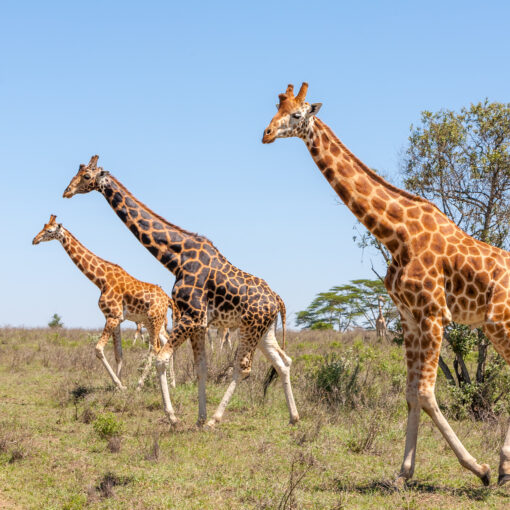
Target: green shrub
337,379
107,426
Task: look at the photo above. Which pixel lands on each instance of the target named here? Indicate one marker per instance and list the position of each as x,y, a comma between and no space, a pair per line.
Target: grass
68,440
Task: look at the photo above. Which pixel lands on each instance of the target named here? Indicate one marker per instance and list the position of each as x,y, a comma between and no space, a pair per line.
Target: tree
346,306
461,161
56,321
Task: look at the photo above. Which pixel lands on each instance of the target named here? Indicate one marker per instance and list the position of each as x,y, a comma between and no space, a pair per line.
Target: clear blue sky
174,99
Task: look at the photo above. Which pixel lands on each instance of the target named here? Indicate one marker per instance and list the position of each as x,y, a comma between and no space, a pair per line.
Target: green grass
53,390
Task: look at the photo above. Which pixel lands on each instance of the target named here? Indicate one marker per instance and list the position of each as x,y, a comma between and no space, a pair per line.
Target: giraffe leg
229,340
220,410
163,338
504,460
211,339
422,353
281,362
242,369
499,333
137,332
200,357
117,343
111,324
177,336
222,332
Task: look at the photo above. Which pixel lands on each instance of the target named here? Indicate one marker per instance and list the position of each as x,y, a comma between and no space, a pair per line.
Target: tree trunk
461,370
482,357
446,371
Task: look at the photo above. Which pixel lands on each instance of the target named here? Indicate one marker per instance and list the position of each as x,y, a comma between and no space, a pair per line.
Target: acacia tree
461,161
346,306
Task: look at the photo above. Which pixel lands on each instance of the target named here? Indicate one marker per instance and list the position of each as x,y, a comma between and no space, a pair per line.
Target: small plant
56,321
337,379
365,434
107,426
300,465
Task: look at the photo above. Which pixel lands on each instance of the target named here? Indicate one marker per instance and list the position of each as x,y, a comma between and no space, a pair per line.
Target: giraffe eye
296,115
86,176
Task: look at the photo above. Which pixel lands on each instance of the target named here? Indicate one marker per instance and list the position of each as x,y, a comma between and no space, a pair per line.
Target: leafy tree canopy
346,306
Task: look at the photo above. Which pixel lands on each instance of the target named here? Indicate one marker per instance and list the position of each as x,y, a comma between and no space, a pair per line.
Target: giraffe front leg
178,334
242,367
163,338
111,324
200,358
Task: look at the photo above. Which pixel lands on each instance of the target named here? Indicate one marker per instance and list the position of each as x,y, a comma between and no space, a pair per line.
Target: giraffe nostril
268,131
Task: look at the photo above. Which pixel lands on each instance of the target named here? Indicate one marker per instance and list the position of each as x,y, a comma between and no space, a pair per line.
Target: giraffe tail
272,373
283,316
175,311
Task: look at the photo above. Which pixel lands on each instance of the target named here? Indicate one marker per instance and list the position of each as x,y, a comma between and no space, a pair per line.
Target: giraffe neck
87,262
376,203
170,244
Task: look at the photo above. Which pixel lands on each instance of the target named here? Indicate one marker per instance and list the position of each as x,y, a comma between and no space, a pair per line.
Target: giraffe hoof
210,425
503,478
486,477
293,420
400,483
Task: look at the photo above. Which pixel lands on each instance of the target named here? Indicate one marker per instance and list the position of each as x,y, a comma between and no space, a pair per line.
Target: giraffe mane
160,218
375,175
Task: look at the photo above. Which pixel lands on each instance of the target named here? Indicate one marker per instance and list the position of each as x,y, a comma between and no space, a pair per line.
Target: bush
337,379
107,426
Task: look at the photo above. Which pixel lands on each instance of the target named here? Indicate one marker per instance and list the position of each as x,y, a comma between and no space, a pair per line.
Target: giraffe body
438,272
122,298
209,292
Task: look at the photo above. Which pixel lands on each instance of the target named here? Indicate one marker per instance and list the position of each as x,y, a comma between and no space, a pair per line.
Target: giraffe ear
314,108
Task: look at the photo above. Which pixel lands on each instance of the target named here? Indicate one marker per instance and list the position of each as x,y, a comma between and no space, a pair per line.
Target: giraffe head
292,117
87,178
52,230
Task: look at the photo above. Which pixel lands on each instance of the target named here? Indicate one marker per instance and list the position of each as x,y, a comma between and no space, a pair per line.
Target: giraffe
208,291
380,323
122,297
224,335
138,332
438,273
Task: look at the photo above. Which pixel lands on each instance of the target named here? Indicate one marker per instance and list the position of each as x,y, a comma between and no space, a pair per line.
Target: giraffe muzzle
269,136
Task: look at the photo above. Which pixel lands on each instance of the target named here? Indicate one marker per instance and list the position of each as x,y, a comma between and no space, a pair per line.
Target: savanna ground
69,441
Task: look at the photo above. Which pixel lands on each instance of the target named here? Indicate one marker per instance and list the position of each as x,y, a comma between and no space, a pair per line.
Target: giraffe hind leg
111,324
422,352
281,363
117,342
499,334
